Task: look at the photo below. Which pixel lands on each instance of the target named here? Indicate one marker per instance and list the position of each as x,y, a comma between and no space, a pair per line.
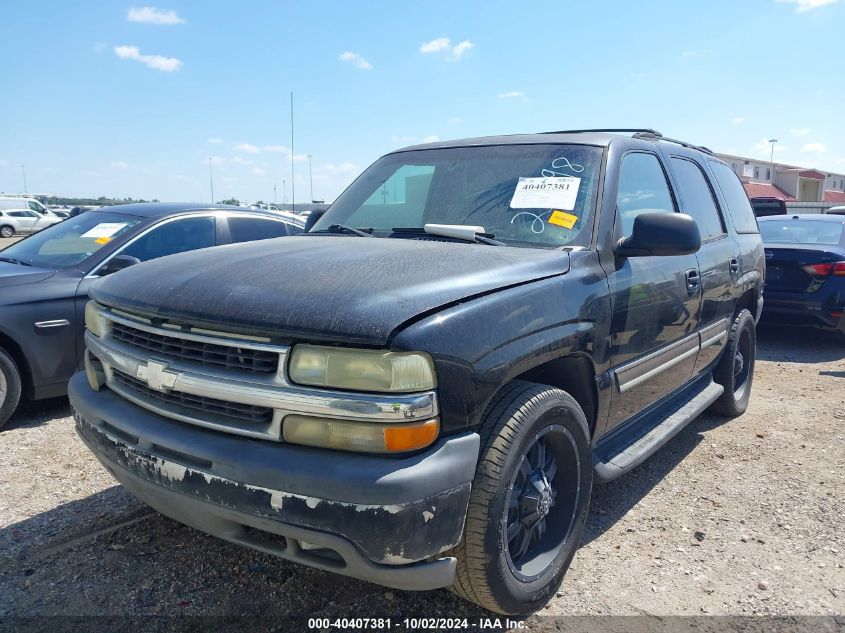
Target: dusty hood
350,289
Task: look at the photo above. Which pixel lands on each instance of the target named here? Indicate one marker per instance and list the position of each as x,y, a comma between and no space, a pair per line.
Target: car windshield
801,231
524,195
70,242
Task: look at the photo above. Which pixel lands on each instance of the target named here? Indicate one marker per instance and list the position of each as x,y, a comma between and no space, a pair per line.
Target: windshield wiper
342,228
464,232
12,260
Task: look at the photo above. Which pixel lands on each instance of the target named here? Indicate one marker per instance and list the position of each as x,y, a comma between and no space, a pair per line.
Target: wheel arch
10,346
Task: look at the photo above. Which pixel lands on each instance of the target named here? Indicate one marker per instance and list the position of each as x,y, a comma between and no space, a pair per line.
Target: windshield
801,231
70,242
525,195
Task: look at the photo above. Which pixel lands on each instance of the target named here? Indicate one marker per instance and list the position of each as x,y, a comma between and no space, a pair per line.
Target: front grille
190,405
230,357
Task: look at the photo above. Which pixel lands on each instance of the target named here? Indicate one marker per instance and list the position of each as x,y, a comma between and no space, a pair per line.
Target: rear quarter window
738,206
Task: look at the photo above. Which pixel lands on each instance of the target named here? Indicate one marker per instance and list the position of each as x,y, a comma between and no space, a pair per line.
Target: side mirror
118,262
661,234
313,217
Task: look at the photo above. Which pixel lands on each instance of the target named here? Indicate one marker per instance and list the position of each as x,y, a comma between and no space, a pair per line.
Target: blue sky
122,99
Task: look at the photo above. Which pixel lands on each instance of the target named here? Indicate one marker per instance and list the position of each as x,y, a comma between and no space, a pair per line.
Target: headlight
359,436
362,370
93,321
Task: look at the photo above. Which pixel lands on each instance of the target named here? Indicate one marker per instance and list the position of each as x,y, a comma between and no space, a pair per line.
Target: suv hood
330,288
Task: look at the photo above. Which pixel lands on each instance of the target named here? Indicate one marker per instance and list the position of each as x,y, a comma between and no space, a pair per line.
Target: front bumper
381,519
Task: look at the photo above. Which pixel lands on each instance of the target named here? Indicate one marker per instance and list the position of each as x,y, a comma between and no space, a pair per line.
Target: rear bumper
379,519
803,310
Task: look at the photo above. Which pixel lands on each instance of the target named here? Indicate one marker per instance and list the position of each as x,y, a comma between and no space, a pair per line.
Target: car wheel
10,387
6,231
735,371
529,499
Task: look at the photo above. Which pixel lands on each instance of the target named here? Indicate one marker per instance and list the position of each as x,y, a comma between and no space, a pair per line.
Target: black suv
470,336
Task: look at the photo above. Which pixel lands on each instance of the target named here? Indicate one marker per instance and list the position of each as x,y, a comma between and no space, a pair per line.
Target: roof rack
610,130
659,137
642,133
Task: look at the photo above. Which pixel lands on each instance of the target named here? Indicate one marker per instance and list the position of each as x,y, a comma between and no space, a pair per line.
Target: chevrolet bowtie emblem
156,376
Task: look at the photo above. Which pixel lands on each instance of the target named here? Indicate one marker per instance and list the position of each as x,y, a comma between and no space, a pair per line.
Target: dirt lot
735,517
8,241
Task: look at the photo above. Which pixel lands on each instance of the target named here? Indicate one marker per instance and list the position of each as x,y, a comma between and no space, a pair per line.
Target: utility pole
310,178
772,157
292,157
210,180
23,171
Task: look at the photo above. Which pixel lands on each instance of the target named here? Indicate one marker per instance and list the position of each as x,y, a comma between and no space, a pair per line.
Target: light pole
274,195
284,191
210,180
772,156
310,178
23,171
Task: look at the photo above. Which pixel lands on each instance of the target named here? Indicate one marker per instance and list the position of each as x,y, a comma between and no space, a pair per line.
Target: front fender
481,345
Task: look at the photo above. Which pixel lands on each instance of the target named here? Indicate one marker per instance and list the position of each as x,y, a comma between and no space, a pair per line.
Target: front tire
6,231
529,499
735,371
10,387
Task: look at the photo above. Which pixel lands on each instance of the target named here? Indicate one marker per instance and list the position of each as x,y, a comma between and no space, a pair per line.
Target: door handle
693,280
733,264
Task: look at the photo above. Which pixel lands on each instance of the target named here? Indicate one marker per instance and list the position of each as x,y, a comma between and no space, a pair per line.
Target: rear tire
735,371
529,499
6,231
10,387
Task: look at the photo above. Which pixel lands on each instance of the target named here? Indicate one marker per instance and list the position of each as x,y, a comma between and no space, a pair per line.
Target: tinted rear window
739,208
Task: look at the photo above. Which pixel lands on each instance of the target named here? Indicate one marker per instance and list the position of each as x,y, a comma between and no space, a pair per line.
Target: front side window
698,199
525,195
642,189
70,242
175,236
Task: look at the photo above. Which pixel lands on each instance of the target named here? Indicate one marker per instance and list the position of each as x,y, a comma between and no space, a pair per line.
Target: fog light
94,371
364,437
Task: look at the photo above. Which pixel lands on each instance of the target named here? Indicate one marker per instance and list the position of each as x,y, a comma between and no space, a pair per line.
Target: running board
630,455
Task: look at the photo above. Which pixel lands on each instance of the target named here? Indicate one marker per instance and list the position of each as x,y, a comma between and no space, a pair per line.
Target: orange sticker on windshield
102,240
561,218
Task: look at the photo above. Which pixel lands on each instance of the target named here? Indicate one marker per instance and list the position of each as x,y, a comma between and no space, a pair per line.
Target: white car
24,221
836,210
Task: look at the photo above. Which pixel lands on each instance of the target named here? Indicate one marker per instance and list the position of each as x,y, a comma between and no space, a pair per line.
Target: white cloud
216,140
275,149
431,139
356,60
435,46
511,95
737,120
156,62
237,160
246,148
456,120
258,171
459,50
152,15
801,132
119,164
343,168
444,45
813,148
807,5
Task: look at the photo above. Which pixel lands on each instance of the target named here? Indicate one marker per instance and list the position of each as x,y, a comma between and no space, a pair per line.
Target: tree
233,201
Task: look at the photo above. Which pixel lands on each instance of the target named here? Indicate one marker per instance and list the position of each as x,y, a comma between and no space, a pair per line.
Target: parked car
24,221
836,211
44,281
17,203
421,390
64,214
765,205
805,269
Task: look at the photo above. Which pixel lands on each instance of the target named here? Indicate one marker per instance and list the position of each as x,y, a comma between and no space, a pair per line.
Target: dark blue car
805,269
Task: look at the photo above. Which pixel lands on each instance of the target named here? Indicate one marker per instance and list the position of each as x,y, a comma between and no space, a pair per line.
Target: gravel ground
739,517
